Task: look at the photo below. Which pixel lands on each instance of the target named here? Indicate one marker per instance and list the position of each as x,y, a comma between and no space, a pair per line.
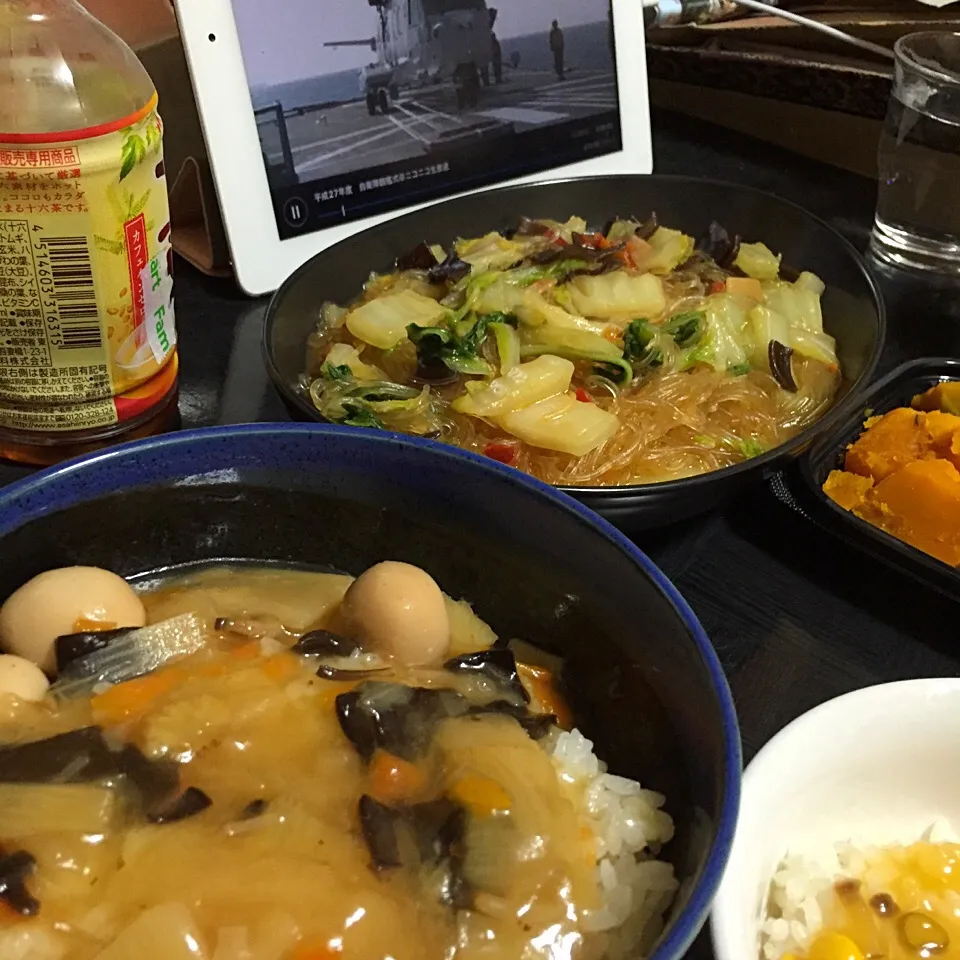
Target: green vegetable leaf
619,371
686,328
458,353
474,366
638,343
358,415
739,369
432,343
638,336
751,447
473,285
704,440
563,299
472,341
508,345
330,372
526,276
703,353
376,391
508,318
574,344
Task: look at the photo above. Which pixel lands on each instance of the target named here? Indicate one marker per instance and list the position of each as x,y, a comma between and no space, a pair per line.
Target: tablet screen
367,106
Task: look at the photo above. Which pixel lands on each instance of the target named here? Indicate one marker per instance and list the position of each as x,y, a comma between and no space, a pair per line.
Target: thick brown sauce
276,868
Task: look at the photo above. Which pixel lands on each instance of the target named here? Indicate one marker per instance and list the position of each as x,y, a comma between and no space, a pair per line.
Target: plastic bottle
87,338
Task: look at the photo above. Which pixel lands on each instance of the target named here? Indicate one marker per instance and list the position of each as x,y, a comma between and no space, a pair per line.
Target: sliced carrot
131,700
281,666
393,779
595,241
231,659
86,625
212,668
482,796
639,251
542,687
9,916
315,948
329,690
278,667
246,651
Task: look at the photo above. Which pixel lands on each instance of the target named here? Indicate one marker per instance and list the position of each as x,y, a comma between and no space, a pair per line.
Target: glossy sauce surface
263,856
905,907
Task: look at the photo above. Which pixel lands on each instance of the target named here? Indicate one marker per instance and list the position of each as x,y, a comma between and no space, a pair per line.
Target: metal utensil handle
680,11
815,25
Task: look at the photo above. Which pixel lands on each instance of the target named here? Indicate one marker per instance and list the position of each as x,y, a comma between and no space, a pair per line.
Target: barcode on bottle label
74,292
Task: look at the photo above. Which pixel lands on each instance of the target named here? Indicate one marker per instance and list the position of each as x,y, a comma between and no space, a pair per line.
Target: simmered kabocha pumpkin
902,475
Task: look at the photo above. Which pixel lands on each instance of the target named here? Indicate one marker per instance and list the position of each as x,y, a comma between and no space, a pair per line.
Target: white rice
630,827
803,883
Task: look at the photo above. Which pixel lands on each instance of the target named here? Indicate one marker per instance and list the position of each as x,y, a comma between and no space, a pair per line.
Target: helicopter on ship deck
423,43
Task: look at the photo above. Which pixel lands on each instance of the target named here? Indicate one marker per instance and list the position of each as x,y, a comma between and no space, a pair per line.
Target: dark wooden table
797,616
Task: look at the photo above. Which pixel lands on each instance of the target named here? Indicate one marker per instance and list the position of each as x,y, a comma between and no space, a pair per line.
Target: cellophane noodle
673,423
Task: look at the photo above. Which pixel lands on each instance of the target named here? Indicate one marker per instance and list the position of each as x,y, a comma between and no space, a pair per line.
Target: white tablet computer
324,116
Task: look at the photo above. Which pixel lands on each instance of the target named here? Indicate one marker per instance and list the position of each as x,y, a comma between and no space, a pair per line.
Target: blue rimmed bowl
642,678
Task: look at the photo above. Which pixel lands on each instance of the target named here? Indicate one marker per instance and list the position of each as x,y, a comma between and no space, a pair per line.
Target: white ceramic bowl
874,766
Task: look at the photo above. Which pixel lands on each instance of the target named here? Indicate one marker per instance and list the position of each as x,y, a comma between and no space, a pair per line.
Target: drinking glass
917,224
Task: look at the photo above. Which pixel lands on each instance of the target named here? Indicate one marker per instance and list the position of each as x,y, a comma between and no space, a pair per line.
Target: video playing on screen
364,106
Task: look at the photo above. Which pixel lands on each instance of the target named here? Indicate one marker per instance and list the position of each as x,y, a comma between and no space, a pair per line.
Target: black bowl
646,685
852,305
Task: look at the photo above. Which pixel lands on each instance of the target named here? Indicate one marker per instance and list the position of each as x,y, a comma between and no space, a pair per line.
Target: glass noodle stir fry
268,764
630,355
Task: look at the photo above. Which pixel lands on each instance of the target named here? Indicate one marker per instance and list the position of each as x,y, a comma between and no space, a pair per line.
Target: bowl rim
73,481
684,485
828,713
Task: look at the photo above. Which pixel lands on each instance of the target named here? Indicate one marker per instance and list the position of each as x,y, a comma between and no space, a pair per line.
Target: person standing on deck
556,45
496,54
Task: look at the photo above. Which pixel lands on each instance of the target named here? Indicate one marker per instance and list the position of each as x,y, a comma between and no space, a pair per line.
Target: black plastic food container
805,483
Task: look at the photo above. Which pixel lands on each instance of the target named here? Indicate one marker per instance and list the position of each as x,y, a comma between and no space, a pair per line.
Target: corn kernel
834,946
482,796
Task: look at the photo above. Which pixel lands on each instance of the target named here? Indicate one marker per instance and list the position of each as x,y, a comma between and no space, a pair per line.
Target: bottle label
86,288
